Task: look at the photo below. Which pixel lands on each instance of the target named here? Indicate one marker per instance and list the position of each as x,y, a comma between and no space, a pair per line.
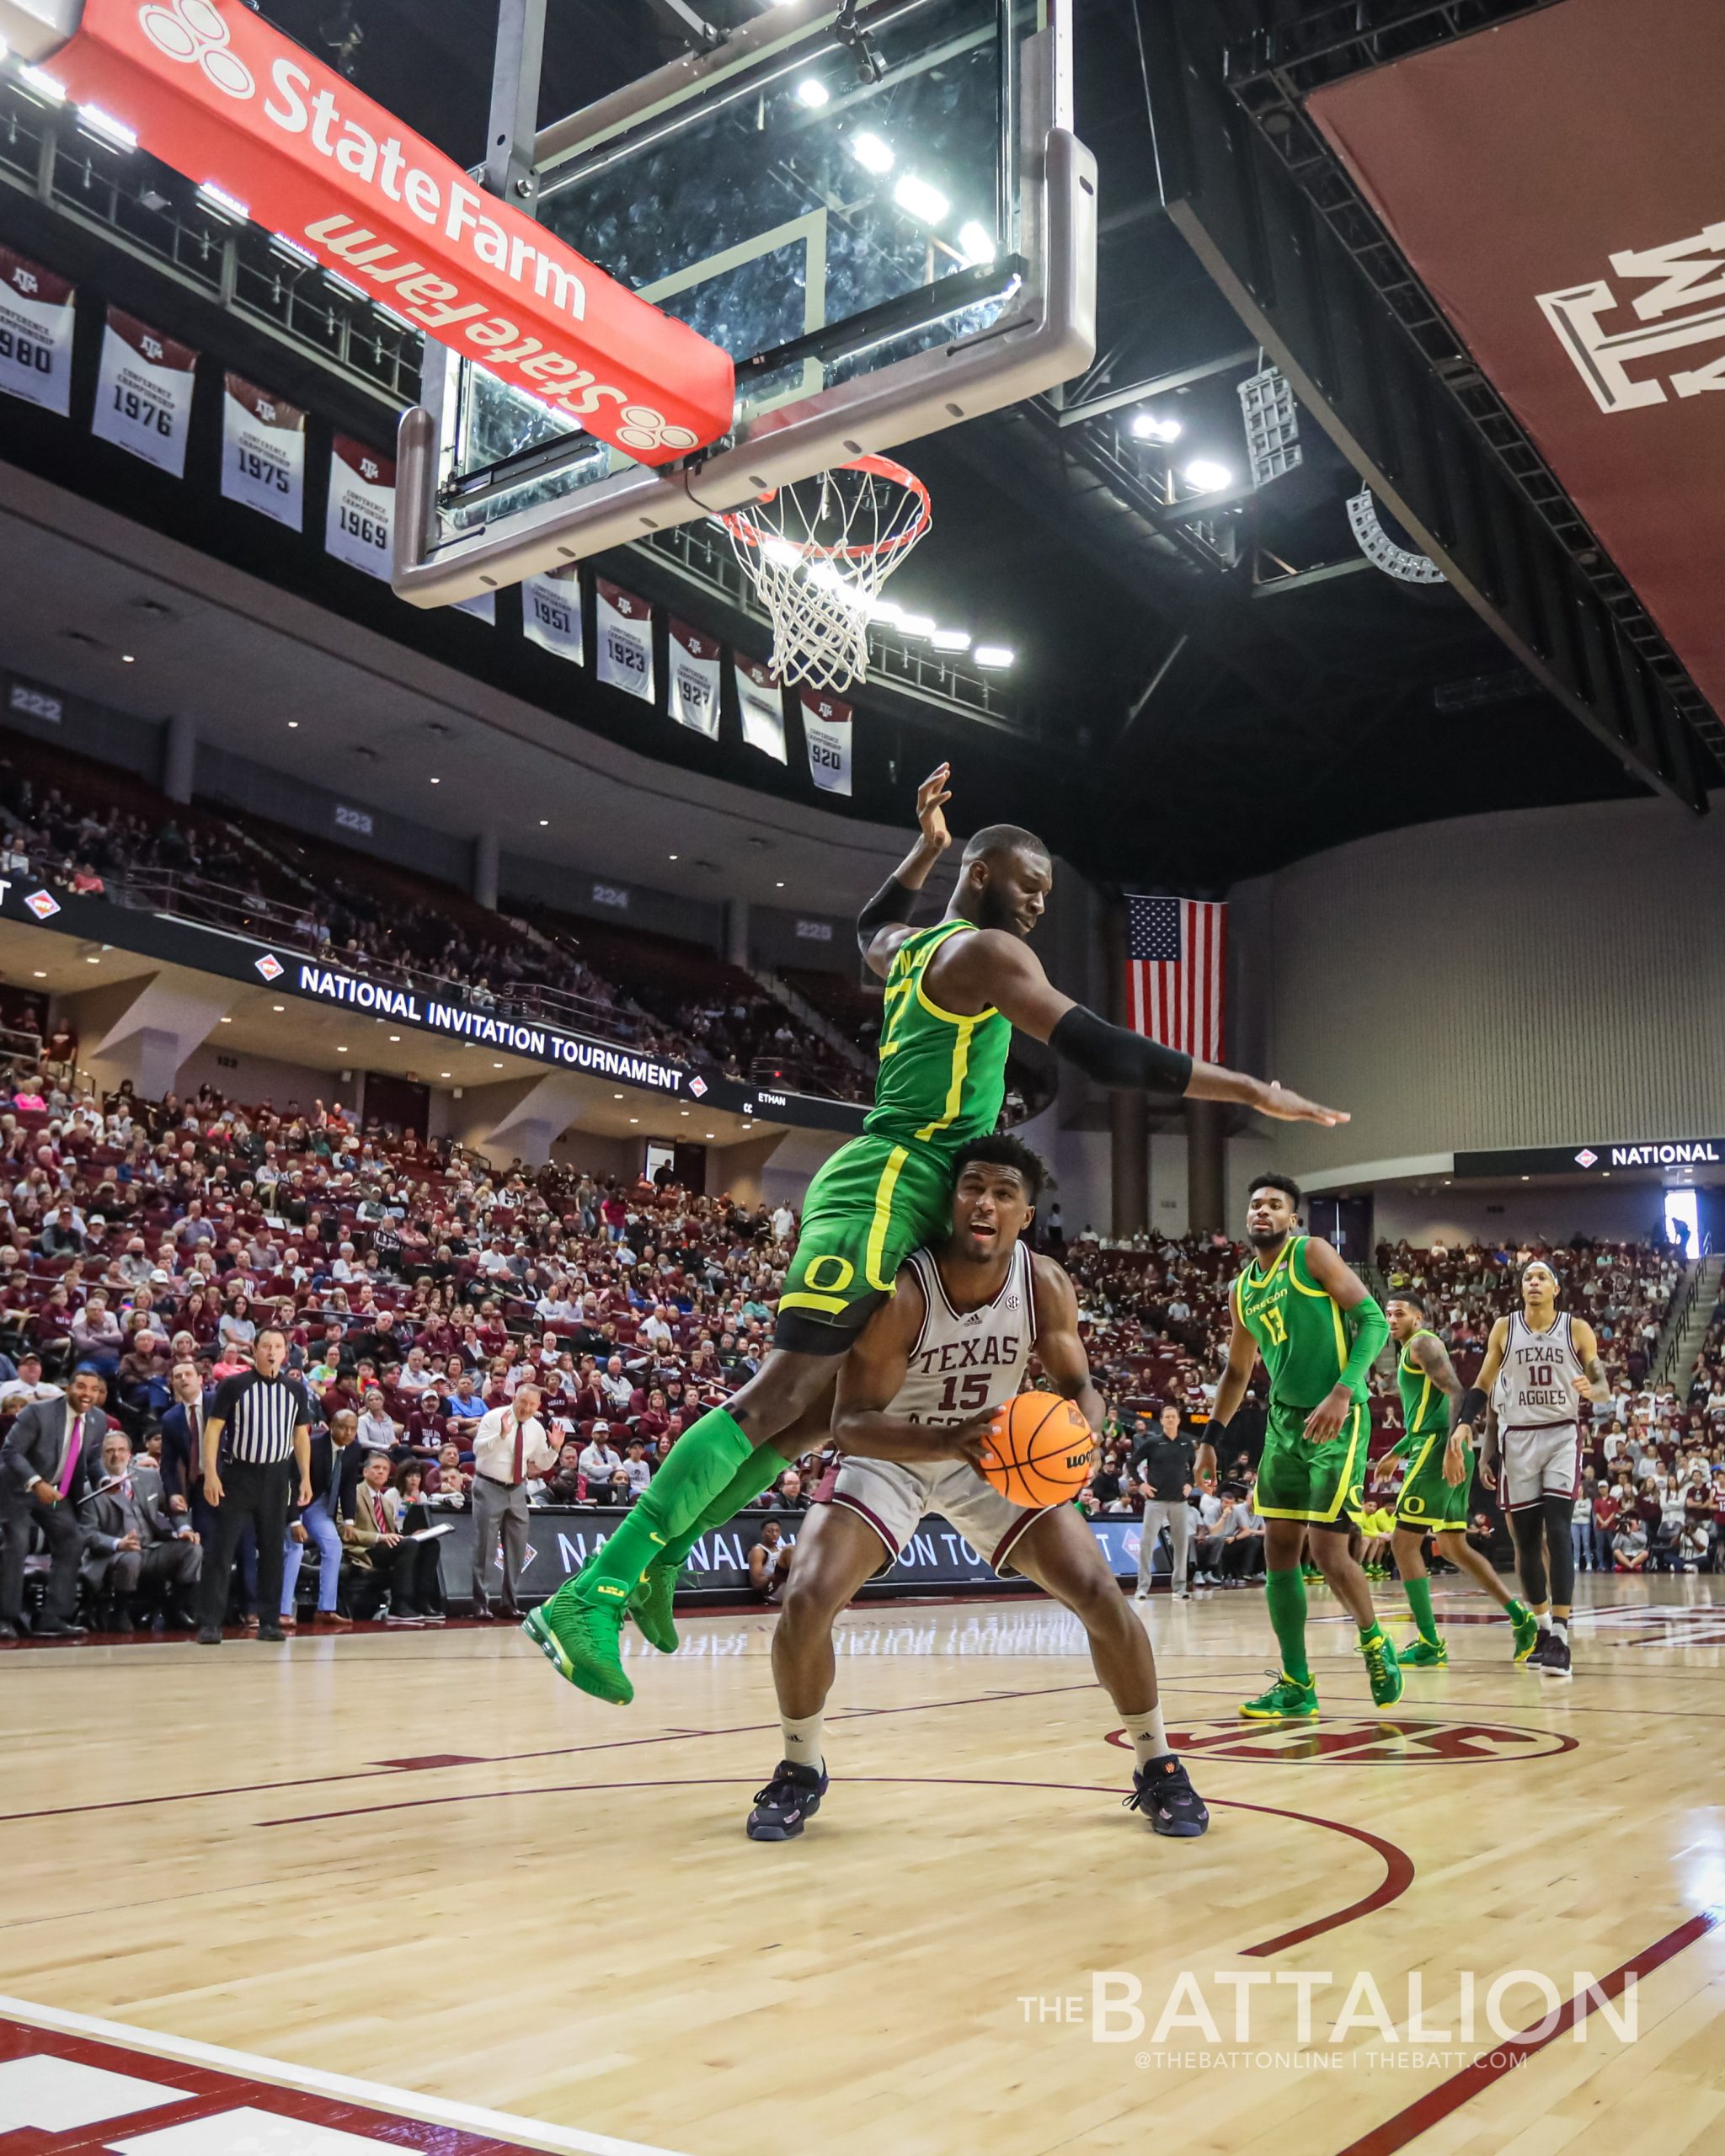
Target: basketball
1040,1449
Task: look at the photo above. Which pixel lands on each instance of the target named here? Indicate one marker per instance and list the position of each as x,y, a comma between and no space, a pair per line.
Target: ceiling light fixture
1148,427
813,93
921,200
222,203
872,153
951,639
975,244
1207,476
106,128
43,85
916,625
995,657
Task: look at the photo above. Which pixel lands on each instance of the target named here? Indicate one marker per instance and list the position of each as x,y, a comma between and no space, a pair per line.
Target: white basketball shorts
894,1498
1543,1461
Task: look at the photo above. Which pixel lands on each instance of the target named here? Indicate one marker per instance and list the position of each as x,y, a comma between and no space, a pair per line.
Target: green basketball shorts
1298,1479
872,1204
1427,1503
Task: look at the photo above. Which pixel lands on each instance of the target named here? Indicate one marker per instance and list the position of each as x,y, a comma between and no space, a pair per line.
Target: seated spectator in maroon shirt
653,1422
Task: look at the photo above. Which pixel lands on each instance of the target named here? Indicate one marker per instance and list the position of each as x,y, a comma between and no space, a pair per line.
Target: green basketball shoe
1424,1654
1286,1700
1382,1668
650,1606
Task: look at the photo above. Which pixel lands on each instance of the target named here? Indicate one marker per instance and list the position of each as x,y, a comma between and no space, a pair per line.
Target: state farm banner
1557,186
694,679
359,525
144,392
551,612
264,452
625,627
36,318
762,704
221,95
826,727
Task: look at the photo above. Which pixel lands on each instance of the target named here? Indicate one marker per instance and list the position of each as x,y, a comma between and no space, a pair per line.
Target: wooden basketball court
361,1884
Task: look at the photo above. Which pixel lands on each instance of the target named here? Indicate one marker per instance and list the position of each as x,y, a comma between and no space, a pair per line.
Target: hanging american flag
1176,979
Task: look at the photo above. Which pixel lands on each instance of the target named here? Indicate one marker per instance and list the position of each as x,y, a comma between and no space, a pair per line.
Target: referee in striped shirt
257,1461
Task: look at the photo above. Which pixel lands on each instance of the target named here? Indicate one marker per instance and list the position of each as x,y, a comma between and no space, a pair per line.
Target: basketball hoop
818,554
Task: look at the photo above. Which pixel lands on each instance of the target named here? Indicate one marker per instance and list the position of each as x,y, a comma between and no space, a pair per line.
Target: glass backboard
846,219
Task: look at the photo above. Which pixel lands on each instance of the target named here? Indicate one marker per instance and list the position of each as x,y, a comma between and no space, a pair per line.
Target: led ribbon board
214,91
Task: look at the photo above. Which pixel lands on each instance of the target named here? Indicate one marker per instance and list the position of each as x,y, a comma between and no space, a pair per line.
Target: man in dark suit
133,1545
45,1468
182,1437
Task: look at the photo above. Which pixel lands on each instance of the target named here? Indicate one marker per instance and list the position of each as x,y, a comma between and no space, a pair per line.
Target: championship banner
694,679
264,452
221,95
144,393
625,625
762,706
359,523
826,727
551,612
36,318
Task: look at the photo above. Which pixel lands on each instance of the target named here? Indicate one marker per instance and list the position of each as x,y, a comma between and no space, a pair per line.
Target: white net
818,553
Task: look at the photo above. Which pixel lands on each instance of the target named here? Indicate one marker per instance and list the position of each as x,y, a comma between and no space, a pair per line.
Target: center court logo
193,32
1346,1742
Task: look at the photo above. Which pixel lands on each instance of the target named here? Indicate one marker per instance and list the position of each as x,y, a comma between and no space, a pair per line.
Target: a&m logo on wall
1682,306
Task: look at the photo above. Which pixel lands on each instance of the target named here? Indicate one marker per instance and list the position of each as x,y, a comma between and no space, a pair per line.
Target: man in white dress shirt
511,1448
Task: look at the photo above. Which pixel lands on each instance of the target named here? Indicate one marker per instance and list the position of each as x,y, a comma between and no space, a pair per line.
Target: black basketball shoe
1164,1794
790,1798
1551,1657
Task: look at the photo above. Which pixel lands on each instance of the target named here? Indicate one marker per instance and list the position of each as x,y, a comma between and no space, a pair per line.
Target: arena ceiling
1211,691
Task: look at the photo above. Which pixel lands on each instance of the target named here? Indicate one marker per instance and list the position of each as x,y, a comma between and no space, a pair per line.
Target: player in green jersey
1319,1332
1433,1499
953,993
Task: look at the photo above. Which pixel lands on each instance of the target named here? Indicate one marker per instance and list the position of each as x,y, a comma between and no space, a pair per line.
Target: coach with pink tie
45,1469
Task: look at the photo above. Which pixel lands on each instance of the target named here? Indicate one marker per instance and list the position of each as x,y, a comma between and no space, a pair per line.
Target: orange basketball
1038,1450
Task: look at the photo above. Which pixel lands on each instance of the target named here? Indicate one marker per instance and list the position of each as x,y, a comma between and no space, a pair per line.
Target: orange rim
743,527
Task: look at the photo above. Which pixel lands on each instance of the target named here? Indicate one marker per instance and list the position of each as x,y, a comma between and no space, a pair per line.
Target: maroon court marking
1449,2096
1352,1740
379,1769
1398,1865
203,2092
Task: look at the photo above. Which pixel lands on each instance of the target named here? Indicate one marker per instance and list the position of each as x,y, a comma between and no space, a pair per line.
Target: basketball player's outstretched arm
1430,1355
994,969
872,1376
1370,1330
1474,1400
885,921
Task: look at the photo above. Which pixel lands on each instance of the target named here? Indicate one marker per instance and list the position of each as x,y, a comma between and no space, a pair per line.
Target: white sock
1560,1625
1150,1739
1543,1617
802,1740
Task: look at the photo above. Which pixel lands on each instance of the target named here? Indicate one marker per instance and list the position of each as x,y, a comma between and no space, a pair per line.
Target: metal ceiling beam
1299,293
1159,385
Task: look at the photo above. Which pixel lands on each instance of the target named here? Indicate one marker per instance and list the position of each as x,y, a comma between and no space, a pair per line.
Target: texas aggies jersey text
964,1362
1536,1386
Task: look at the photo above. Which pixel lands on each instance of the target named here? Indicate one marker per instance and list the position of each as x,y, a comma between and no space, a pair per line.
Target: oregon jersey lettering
1298,1326
943,1076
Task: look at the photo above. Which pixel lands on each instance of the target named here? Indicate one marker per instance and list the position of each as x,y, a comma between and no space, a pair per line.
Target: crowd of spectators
148,1243
331,902
417,1286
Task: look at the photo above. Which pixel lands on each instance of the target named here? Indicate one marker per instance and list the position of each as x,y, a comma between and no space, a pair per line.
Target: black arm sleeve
1115,1057
1472,1408
893,906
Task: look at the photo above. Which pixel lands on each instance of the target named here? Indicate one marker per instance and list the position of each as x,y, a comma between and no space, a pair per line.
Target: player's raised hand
932,799
1294,1107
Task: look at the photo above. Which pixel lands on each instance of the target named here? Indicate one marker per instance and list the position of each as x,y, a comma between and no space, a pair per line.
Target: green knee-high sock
758,1472
1285,1594
703,1462
1419,1601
